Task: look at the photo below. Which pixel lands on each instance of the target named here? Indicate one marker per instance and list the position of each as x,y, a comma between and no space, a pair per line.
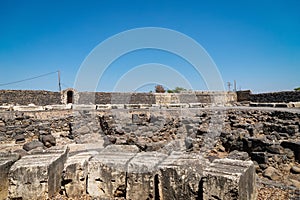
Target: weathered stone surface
83,107
74,176
229,179
25,97
48,140
238,155
295,169
295,183
37,176
259,157
28,108
83,130
285,96
141,175
95,147
294,146
179,176
107,175
32,145
6,161
19,138
121,148
271,173
294,104
21,152
58,107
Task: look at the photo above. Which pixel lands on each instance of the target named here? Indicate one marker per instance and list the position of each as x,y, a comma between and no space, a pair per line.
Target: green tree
297,89
179,89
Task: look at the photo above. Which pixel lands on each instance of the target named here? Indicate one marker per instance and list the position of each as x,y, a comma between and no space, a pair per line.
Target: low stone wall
115,98
195,97
20,126
243,95
25,97
272,97
41,98
155,98
287,96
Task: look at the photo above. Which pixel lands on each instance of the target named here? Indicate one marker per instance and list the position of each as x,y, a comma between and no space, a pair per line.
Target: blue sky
256,43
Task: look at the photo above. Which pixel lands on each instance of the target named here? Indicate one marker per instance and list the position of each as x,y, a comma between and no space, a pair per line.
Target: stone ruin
142,151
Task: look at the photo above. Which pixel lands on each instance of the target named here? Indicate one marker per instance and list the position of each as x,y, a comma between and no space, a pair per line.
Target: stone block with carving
74,176
141,175
228,179
179,176
6,161
37,176
107,175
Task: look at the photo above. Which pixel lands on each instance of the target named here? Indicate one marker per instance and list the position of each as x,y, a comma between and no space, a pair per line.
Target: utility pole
234,89
228,85
59,84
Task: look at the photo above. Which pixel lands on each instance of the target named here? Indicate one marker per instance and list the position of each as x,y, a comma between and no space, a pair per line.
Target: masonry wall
196,97
154,98
116,98
243,95
25,97
285,96
38,97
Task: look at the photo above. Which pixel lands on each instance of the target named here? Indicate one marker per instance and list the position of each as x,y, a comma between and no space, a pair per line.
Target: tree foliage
297,89
159,89
177,90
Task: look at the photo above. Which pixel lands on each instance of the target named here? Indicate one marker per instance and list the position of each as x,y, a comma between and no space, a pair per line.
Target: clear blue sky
256,43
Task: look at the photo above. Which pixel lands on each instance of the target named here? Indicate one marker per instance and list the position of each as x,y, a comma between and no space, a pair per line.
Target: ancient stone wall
41,98
243,95
272,97
155,98
196,97
47,126
287,96
25,97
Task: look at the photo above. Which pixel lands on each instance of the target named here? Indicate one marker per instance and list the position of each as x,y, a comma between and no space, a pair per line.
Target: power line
28,79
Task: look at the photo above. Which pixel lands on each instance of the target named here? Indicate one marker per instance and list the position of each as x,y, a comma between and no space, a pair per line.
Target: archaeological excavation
192,145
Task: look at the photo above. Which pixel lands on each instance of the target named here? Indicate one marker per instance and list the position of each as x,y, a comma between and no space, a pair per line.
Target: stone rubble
128,142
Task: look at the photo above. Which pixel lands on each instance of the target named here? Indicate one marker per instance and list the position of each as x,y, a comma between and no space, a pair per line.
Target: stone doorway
70,97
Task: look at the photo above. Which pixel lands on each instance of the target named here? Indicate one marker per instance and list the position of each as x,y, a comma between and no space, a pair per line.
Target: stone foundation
108,173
